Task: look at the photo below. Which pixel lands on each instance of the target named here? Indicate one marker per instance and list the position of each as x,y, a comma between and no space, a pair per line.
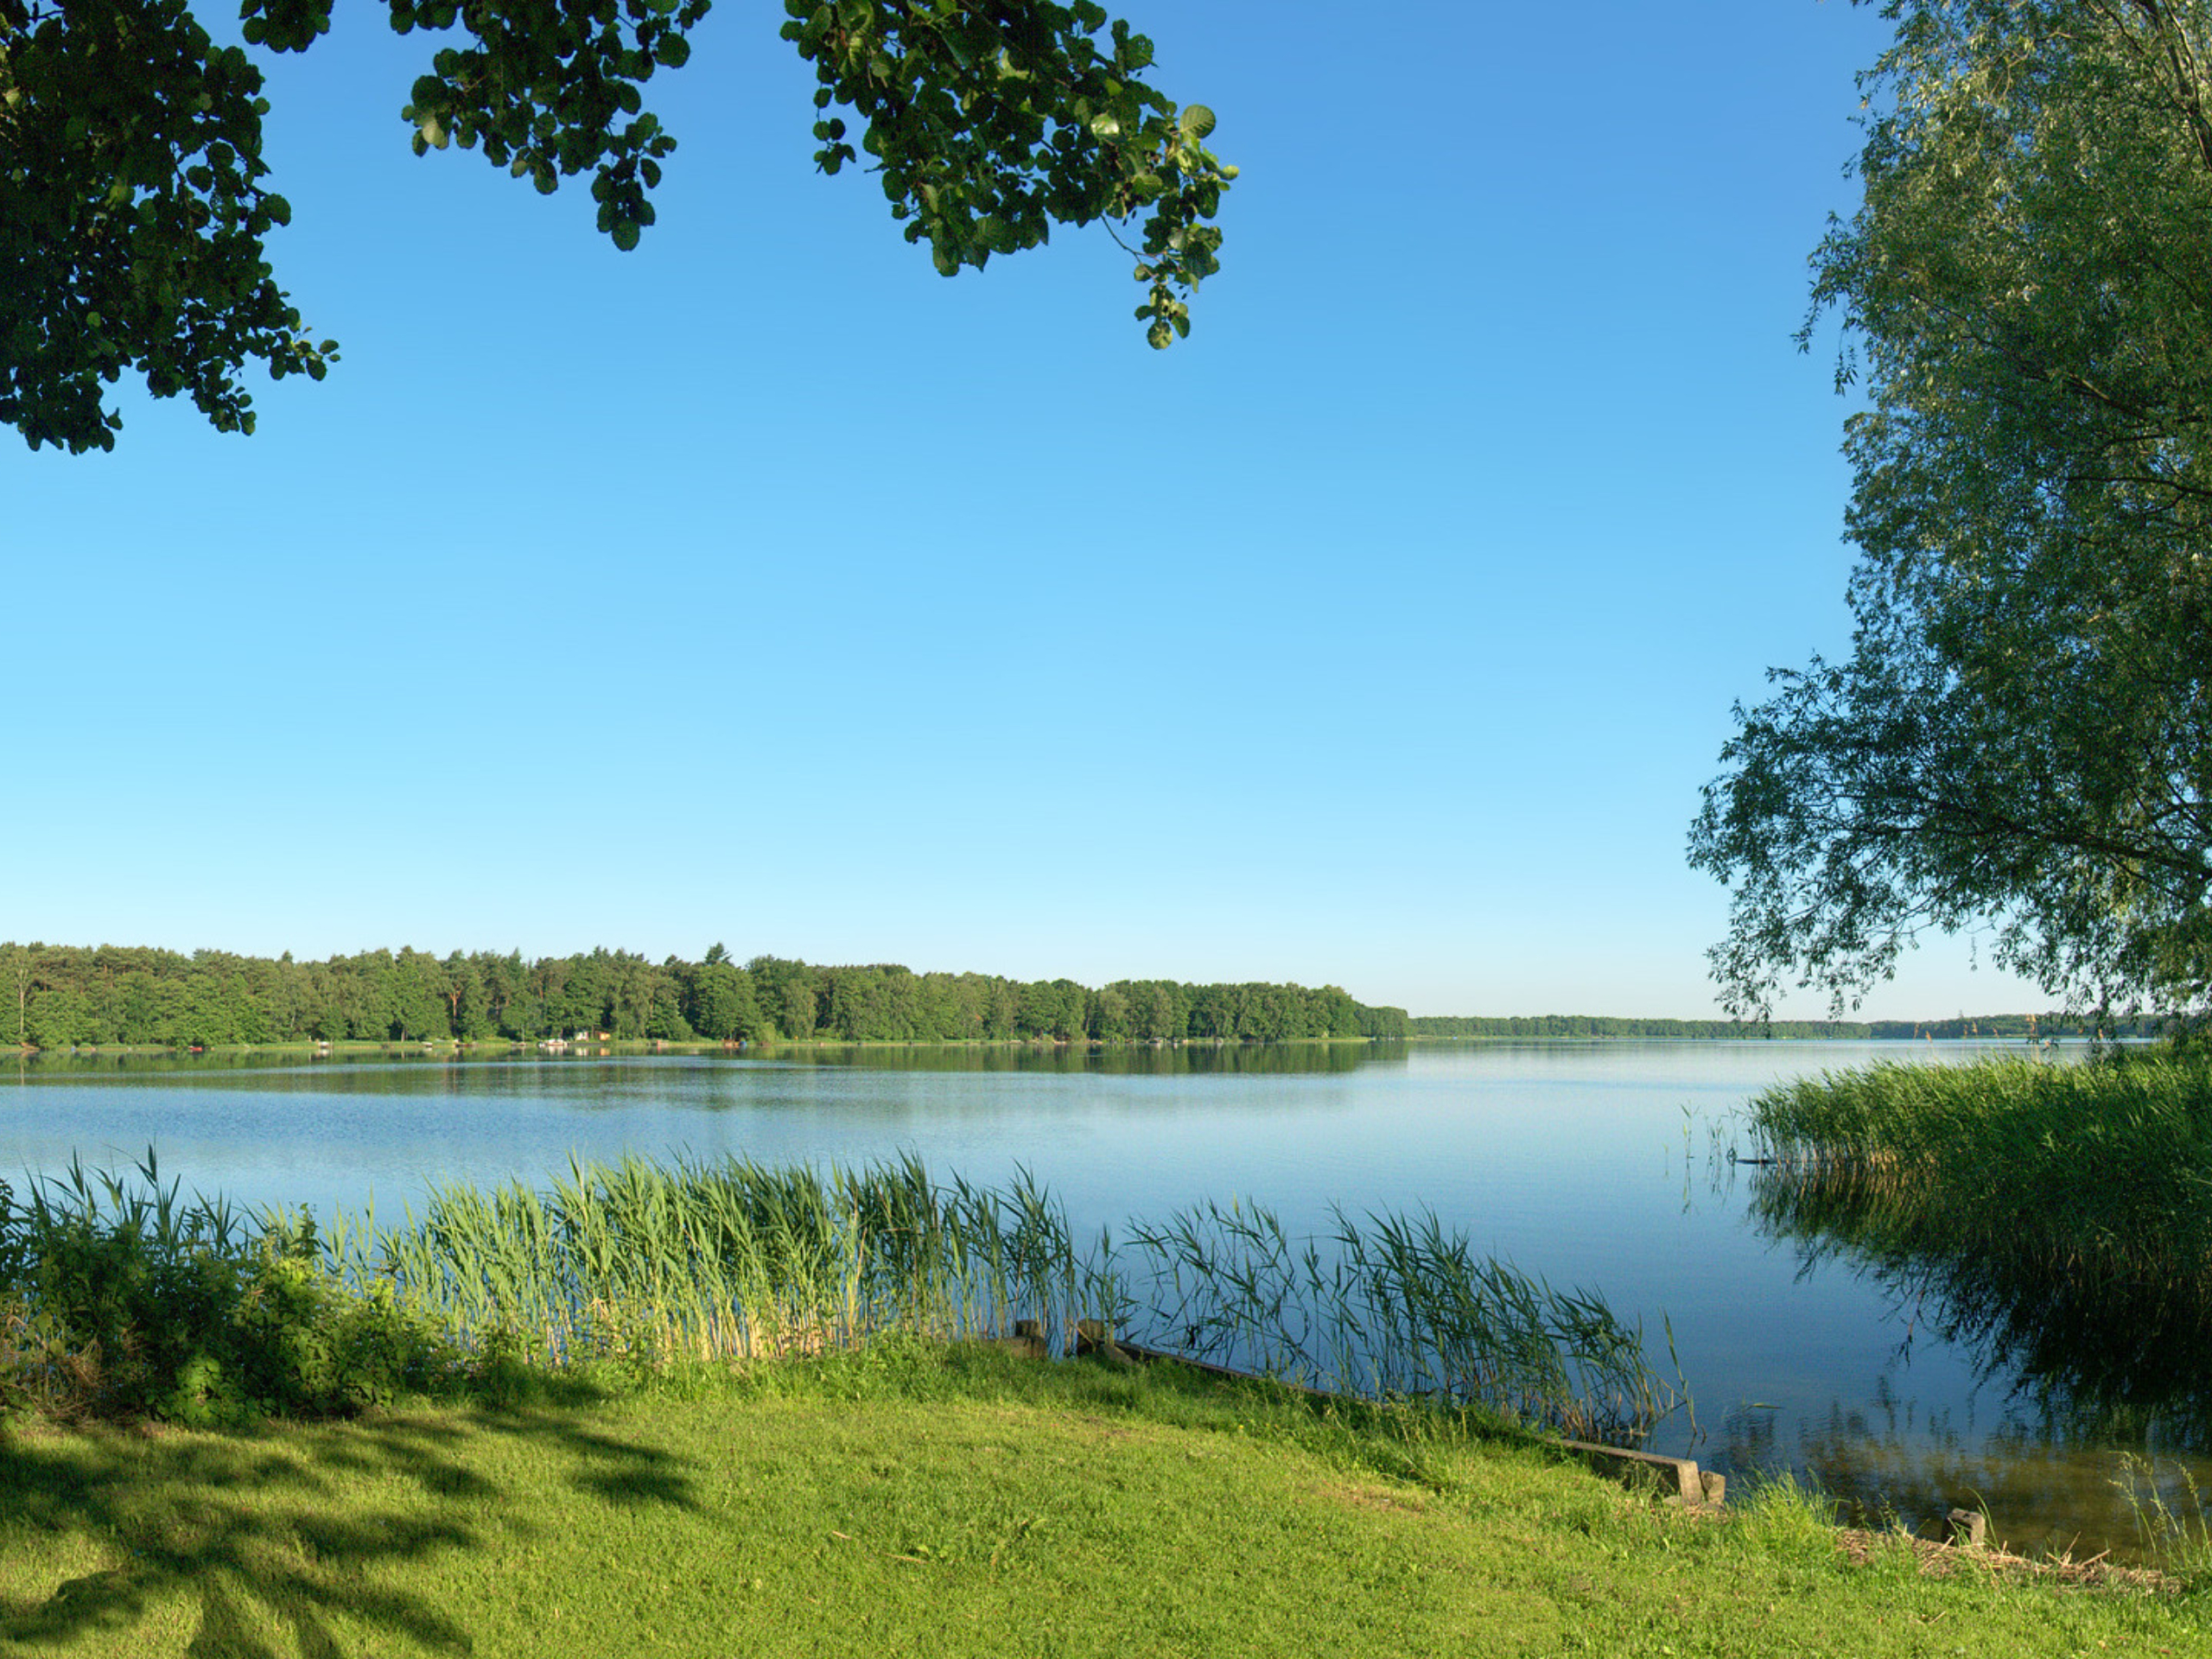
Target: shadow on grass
273,1538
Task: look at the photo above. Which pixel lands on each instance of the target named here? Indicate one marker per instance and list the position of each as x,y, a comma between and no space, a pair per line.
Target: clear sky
762,586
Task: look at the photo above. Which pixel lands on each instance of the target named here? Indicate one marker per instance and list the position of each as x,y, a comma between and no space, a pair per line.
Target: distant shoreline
59,998
593,1046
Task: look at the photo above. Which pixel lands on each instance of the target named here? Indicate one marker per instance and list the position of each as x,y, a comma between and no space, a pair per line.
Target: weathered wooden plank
1680,1473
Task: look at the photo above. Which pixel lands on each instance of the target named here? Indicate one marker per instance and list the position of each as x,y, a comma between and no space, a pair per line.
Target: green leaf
1196,120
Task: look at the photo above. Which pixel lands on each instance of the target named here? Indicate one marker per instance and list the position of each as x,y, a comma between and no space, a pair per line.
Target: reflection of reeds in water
2045,1493
2056,1218
730,1260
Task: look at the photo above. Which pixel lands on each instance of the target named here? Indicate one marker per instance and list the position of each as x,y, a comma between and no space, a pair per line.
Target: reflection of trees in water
496,1068
1113,1060
2095,1348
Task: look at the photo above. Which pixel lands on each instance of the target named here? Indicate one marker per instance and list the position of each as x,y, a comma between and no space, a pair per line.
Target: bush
306,1345
144,1306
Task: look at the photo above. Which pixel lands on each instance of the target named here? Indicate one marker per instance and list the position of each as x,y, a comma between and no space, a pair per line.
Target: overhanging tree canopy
135,197
2022,734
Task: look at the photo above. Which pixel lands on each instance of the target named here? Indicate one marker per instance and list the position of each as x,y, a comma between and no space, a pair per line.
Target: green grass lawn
910,1500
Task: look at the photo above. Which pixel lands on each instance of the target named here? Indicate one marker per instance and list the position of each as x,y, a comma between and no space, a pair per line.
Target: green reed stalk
649,1263
1400,1307
2103,1167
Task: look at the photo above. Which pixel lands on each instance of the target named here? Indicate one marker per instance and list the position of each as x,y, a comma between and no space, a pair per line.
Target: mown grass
914,1498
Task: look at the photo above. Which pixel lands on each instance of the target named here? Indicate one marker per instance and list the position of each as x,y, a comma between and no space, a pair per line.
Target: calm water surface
1599,1164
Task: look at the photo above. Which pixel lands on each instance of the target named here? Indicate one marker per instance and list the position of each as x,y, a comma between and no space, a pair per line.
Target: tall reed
2056,1218
2103,1167
651,1263
732,1260
1396,1307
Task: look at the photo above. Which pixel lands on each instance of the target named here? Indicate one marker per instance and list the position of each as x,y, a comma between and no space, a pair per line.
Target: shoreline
610,1046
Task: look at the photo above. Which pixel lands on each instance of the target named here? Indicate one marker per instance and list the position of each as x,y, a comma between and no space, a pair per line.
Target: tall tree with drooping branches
2021,737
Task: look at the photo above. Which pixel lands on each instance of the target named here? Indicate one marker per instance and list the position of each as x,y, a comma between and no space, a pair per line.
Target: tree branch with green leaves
135,196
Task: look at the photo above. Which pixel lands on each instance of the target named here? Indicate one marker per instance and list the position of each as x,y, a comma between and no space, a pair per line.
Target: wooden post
1096,1337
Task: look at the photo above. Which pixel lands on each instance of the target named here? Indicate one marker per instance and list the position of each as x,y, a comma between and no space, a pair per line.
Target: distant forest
63,996
2021,1026
60,996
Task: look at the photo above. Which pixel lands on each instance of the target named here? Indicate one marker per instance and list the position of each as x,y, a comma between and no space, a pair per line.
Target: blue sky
762,586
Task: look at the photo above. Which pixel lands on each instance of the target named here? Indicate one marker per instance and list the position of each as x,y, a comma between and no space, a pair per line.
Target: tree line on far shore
63,996
2022,1027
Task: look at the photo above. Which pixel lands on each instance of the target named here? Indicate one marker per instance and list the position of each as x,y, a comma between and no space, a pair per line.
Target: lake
1601,1165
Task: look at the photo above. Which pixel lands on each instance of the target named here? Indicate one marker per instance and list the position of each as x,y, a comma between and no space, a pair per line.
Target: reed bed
649,1265
2059,1217
2102,1168
1398,1306
731,1261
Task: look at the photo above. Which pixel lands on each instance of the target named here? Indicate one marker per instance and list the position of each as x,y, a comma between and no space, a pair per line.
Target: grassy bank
715,1409
927,1499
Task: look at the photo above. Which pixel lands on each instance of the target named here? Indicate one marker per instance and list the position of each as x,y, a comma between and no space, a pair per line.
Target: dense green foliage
2022,734
126,1302
54,997
2052,1218
134,193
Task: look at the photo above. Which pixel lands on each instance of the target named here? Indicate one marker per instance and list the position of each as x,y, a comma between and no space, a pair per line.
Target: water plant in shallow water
2058,1220
1397,1307
732,1260
650,1264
